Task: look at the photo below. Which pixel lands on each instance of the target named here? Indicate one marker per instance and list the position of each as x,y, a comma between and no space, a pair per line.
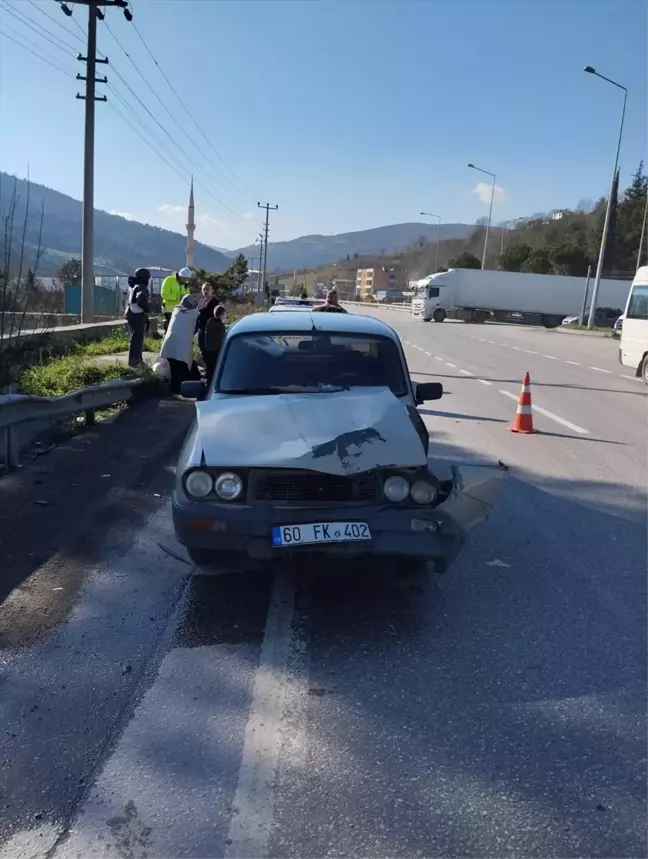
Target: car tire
644,369
439,315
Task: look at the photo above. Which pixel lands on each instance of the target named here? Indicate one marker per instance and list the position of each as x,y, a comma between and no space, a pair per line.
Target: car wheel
439,315
644,369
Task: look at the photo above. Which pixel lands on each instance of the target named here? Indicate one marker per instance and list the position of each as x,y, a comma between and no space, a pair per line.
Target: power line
210,177
36,54
28,22
135,129
58,23
197,166
186,110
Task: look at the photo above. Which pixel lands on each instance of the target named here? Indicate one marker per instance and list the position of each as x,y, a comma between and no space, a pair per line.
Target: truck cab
427,300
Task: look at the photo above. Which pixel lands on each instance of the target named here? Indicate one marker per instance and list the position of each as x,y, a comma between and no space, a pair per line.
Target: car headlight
396,489
228,486
423,492
199,484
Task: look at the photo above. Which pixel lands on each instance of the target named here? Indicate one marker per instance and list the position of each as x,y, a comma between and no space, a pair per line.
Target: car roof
299,321
291,308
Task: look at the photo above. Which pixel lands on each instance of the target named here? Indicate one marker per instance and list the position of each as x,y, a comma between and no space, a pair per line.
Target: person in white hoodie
177,346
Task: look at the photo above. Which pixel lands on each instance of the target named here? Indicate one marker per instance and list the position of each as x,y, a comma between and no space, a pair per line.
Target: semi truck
473,295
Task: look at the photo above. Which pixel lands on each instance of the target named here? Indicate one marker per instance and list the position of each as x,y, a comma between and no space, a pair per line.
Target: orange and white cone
523,421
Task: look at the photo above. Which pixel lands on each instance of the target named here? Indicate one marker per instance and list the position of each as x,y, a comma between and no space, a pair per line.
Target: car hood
345,432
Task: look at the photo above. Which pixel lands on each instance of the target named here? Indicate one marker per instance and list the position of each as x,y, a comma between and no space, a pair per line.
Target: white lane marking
531,352
251,825
600,370
517,348
550,415
553,357
466,372
632,378
575,363
448,364
438,358
485,382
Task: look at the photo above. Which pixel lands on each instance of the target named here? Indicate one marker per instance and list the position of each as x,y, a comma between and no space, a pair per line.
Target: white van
633,348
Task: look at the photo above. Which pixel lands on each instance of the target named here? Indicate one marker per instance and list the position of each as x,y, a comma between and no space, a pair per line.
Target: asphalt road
499,710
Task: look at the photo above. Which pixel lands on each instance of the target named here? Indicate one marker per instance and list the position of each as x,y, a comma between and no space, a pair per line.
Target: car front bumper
429,533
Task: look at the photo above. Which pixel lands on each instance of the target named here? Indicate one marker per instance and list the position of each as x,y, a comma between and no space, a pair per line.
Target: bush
112,344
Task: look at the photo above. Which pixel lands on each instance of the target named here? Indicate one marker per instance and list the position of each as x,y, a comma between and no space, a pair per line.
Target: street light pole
490,211
608,209
438,230
643,233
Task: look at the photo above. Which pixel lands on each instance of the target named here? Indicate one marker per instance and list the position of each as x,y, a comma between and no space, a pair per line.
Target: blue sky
349,114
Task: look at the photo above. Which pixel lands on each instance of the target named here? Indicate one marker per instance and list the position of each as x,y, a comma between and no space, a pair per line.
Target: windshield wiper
253,391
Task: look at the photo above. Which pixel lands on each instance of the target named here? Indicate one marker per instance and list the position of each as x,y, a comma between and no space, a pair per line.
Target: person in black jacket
214,335
137,314
206,306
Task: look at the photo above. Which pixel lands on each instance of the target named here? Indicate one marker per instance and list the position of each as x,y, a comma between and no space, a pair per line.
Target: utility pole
91,60
264,265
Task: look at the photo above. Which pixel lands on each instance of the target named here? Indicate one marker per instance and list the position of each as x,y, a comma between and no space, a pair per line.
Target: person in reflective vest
174,288
137,314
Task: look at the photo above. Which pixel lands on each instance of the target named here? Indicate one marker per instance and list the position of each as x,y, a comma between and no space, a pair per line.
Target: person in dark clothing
137,314
332,305
206,307
214,335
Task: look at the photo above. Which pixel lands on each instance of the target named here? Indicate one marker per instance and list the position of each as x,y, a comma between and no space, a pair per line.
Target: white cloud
211,222
126,215
172,211
483,191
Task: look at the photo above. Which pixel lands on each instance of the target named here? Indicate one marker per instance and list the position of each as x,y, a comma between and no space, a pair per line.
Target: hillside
120,245
311,251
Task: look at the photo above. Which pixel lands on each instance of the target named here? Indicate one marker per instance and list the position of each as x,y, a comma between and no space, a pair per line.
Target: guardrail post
90,417
11,452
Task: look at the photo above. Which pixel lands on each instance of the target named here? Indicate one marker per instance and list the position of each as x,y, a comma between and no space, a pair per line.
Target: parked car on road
309,441
605,317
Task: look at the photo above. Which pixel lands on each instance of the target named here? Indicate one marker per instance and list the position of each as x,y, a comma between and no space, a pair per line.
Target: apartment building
371,281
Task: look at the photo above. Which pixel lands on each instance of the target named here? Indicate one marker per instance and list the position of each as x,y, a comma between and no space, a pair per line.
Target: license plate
320,532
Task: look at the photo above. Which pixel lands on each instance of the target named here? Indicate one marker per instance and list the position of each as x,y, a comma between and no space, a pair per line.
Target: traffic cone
523,421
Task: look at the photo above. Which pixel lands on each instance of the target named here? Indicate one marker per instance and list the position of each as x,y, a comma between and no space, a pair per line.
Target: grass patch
596,329
113,344
66,375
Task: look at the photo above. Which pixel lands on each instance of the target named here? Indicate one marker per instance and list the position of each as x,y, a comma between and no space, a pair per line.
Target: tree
630,220
514,257
465,260
569,259
538,262
70,272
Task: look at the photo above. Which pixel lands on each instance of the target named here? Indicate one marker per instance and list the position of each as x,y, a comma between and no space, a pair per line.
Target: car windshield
316,362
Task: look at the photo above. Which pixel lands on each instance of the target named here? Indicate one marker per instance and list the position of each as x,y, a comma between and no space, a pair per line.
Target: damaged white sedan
309,441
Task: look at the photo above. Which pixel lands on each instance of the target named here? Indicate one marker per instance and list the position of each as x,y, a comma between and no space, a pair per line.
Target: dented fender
475,490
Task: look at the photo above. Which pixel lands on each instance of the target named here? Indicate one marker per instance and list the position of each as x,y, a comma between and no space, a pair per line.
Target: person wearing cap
331,305
174,288
177,346
137,314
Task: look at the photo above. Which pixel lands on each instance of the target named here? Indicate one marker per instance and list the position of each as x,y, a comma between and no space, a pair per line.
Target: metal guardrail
17,409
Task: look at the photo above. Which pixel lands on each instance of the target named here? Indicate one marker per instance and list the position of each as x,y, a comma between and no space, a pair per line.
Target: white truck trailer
473,295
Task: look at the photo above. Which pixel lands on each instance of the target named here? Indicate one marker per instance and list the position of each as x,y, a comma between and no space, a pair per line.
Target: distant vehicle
308,440
473,295
633,348
618,327
606,317
297,306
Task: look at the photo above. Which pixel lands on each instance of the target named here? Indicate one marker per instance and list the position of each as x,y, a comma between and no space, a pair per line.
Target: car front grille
284,486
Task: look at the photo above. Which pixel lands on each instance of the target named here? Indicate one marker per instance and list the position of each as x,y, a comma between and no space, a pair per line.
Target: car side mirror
193,390
426,391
